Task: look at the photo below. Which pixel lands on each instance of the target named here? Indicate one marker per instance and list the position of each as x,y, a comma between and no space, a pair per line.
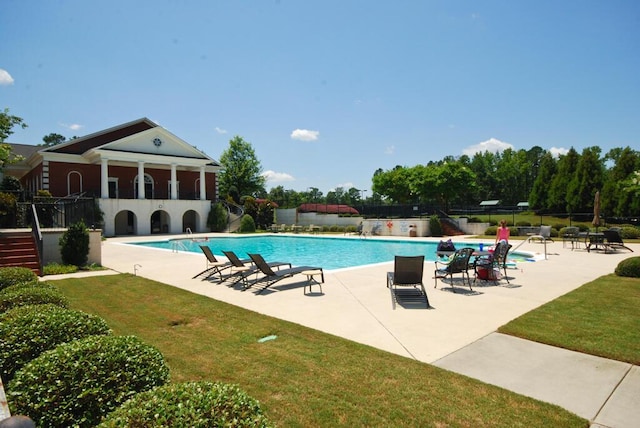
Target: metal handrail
37,234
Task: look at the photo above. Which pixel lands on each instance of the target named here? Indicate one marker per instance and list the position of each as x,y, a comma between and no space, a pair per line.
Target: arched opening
126,223
190,221
160,222
149,187
74,183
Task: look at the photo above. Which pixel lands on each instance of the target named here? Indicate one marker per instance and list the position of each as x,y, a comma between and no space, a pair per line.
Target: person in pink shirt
502,234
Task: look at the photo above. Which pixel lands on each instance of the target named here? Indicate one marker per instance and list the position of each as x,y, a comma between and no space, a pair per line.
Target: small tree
247,225
74,244
8,207
435,226
217,218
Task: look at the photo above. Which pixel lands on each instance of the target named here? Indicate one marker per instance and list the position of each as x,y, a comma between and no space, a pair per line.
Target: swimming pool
327,252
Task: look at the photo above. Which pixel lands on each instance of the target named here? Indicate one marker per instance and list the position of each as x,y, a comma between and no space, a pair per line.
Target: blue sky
329,91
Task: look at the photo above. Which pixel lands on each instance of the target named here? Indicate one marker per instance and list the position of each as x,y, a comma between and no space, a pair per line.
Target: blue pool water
326,252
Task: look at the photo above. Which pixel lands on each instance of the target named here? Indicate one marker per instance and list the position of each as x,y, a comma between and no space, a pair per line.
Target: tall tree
567,165
7,122
242,169
484,167
539,196
52,139
586,181
394,184
615,199
454,182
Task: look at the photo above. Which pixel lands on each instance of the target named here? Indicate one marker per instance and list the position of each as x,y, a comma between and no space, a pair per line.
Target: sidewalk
457,334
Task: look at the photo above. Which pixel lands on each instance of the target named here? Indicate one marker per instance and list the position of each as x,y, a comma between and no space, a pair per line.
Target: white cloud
491,145
73,126
277,177
220,130
558,151
345,186
5,77
305,135
390,150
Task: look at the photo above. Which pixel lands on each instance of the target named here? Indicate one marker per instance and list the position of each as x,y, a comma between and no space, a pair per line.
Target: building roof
80,145
327,209
24,150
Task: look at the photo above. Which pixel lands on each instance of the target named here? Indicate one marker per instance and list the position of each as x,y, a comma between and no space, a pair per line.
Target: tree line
550,184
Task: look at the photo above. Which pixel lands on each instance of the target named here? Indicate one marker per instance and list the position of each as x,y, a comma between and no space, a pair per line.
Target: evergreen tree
539,196
567,164
587,180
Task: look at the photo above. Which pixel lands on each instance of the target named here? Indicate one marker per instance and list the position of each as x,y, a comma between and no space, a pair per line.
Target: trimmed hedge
15,275
79,382
23,296
629,267
193,404
27,331
28,285
629,232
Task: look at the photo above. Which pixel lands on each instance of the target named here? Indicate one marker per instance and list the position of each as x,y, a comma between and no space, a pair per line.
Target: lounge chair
271,277
495,261
407,272
613,240
571,234
459,263
544,234
214,266
244,268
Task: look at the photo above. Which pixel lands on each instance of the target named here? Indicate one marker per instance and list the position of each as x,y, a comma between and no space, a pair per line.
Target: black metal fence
59,213
497,213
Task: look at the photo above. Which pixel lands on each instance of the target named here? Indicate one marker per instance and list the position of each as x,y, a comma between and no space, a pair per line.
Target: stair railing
235,213
37,235
445,218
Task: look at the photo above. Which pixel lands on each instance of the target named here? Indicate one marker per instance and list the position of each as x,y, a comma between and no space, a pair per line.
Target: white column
141,180
203,185
104,179
174,184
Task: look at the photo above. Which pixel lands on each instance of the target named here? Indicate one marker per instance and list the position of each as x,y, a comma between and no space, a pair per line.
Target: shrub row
78,383
15,275
31,294
28,331
65,369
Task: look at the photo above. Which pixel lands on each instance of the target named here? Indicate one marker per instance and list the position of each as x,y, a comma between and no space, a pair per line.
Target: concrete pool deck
458,333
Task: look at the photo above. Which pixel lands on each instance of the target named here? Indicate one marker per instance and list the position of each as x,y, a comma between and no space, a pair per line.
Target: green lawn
599,318
304,377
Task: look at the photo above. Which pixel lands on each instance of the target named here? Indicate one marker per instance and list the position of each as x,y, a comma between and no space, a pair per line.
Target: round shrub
15,275
27,331
22,296
629,267
79,382
193,404
247,225
491,231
